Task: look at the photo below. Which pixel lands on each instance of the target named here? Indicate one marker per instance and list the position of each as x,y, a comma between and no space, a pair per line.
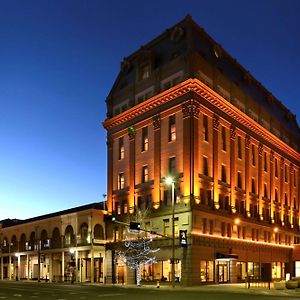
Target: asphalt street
47,291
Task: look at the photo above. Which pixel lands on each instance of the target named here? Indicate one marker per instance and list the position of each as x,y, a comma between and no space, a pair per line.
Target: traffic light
111,218
135,225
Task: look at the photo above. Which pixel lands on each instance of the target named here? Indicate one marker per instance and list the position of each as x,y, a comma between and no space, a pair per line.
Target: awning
230,256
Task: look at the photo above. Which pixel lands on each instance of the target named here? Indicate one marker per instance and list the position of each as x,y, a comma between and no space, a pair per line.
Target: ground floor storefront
78,264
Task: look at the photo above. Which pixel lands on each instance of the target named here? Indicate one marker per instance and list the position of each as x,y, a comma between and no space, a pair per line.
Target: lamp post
170,181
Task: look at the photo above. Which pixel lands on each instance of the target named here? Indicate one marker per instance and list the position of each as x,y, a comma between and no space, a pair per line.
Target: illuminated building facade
182,106
63,246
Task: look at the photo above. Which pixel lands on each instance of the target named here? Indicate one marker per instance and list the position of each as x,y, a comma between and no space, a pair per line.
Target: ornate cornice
211,97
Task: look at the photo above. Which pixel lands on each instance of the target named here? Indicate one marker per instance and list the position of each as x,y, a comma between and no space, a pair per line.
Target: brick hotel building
182,106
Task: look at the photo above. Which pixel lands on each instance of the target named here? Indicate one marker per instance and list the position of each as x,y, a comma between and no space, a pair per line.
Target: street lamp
170,181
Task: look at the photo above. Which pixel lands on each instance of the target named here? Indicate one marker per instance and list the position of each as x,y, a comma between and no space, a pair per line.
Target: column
281,181
190,112
92,264
131,199
216,123
247,175
76,265
260,178
63,266
50,267
109,174
157,160
1,271
9,267
232,168
28,266
291,195
17,276
271,190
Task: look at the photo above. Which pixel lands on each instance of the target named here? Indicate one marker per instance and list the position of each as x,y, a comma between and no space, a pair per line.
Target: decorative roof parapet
210,96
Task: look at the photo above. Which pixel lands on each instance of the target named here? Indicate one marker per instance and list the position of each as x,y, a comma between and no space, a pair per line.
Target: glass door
222,272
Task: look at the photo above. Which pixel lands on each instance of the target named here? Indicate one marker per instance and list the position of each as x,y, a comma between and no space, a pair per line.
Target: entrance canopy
222,256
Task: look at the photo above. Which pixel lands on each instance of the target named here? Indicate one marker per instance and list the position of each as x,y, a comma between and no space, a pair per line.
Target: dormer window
145,71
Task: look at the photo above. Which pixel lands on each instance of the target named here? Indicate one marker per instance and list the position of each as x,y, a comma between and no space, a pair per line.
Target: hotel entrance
223,271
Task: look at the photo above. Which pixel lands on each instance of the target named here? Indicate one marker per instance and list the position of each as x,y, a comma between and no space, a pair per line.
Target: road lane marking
111,295
17,295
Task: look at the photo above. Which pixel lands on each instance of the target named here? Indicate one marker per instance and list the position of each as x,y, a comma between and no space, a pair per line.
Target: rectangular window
253,155
223,175
239,147
205,166
276,168
244,232
121,148
145,139
253,186
229,230
253,234
172,165
286,200
265,190
145,174
294,178
223,138
172,128
223,229
285,173
265,162
125,207
211,226
239,180
276,195
145,71
121,181
205,128
204,225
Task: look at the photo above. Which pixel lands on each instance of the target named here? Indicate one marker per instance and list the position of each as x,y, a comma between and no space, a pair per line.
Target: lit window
145,174
121,148
125,207
205,128
172,128
145,71
121,181
145,139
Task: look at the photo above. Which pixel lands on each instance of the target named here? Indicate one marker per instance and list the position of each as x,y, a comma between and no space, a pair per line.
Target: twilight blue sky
58,61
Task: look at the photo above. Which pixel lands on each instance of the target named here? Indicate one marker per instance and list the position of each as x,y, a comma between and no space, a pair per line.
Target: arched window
5,245
98,232
44,239
31,241
84,233
56,239
22,243
69,235
14,244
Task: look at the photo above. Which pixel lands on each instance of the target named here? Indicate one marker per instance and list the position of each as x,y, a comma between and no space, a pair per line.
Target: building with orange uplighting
181,106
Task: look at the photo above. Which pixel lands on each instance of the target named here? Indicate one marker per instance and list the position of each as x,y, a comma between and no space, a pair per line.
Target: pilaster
157,160
232,168
131,198
190,112
216,123
247,174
